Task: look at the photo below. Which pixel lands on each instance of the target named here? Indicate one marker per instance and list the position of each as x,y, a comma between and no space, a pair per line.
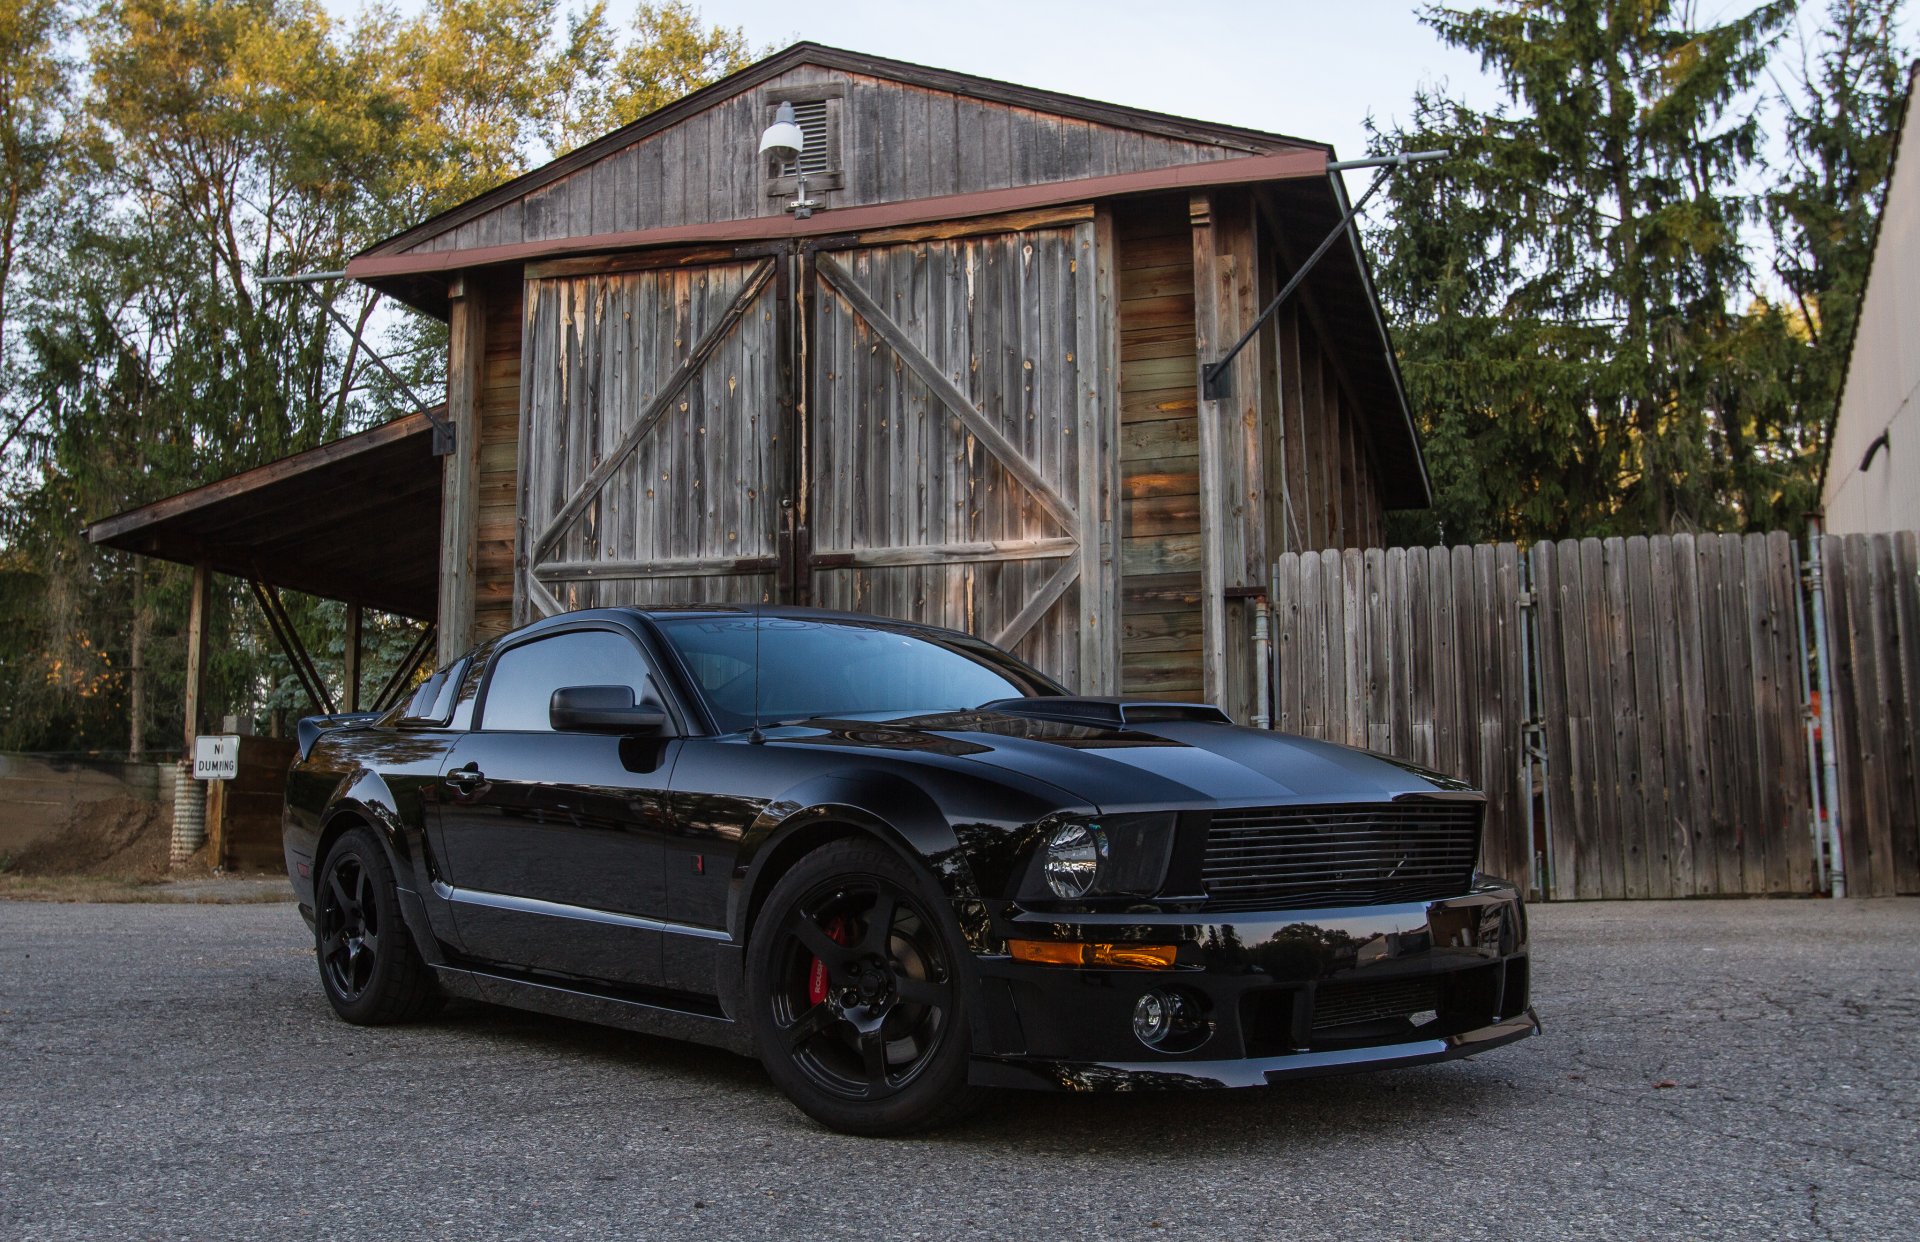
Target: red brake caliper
817,974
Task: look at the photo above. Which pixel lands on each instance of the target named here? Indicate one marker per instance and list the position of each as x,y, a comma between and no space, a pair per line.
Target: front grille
1290,857
1344,1004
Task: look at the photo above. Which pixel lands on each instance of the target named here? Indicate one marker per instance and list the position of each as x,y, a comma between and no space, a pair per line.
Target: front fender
911,823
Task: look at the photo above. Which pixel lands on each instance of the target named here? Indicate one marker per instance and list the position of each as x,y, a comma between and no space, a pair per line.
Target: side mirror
602,709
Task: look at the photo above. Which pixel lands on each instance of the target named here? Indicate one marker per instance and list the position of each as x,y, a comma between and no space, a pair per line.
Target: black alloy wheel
857,1001
349,928
369,967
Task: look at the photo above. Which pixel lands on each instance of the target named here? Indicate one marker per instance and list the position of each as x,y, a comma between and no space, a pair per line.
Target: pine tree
1566,283
1843,102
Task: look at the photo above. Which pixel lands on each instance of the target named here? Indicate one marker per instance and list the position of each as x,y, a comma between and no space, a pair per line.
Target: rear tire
856,995
371,971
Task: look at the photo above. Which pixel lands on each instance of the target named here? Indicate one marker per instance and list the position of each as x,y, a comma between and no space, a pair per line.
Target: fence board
1675,752
1543,569
1906,592
1651,784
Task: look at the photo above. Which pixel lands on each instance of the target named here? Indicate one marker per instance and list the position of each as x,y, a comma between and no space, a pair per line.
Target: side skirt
615,1011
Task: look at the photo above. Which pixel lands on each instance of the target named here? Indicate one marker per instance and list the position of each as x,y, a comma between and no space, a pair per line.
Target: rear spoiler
1111,713
310,728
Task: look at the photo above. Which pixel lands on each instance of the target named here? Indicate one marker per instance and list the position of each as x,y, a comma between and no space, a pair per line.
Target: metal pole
1829,715
1263,663
1532,730
303,278
1809,718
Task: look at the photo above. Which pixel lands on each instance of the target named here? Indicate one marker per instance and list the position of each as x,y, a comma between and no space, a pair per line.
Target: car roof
662,612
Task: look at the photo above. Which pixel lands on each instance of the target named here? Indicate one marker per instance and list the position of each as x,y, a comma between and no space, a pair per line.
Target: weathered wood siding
1159,452
955,438
656,457
898,142
497,507
1323,490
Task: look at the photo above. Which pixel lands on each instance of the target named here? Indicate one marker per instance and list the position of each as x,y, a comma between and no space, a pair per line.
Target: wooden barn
963,388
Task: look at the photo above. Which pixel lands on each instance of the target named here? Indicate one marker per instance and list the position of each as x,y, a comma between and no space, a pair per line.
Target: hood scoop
1108,713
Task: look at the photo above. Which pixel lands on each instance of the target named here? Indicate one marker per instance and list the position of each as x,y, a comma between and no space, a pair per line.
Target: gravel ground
1710,1069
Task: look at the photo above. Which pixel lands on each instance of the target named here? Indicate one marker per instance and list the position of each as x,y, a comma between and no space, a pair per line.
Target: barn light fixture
785,140
1217,377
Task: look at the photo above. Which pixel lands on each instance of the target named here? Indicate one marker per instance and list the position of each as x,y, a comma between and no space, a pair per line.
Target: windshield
815,669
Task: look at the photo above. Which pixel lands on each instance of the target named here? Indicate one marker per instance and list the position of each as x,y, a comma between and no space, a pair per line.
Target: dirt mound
126,836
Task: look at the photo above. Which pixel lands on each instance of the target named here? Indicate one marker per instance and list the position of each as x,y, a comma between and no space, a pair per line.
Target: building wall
897,142
1883,375
499,489
1160,635
1291,436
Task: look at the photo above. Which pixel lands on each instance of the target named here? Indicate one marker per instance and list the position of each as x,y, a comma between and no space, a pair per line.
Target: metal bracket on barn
1217,378
443,433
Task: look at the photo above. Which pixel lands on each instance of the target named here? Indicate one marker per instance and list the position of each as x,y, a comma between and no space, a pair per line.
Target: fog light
1171,1020
1153,1017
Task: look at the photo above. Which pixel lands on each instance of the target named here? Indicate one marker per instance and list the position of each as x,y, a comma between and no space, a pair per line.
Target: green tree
204,144
1843,100
33,98
1569,278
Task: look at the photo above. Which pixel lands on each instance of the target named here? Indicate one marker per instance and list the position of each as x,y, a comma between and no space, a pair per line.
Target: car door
553,841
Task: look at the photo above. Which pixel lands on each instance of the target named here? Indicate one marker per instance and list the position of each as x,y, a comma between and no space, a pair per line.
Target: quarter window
432,702
520,689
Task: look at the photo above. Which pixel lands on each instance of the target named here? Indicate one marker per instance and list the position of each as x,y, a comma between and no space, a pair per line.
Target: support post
350,658
460,496
199,604
1262,664
1213,494
190,795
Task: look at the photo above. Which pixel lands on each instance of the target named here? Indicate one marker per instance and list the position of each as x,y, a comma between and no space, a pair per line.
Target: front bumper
1284,994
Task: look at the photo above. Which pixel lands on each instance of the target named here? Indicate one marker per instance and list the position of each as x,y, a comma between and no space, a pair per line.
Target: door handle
466,779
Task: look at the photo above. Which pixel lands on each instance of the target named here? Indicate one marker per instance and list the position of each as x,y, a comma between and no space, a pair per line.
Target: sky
1308,68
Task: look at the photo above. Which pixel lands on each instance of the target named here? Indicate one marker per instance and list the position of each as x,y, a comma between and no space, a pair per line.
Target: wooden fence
1873,640
1635,708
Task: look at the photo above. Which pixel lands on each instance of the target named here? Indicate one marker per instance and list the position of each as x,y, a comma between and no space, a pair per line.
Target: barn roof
356,519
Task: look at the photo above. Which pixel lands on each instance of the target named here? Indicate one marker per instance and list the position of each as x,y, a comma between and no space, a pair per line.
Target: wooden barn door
656,464
954,441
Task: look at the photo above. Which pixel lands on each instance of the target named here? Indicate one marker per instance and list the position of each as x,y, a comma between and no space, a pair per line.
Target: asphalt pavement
1709,1070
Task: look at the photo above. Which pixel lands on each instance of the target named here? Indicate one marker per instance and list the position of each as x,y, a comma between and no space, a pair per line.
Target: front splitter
1174,1075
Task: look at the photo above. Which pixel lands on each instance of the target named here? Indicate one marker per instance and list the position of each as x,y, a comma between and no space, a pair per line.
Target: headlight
1102,856
1074,855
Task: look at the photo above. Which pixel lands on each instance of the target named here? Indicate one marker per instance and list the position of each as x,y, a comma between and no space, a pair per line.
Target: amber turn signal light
1078,953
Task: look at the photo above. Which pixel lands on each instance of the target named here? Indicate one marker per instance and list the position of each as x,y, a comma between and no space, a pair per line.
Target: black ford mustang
895,863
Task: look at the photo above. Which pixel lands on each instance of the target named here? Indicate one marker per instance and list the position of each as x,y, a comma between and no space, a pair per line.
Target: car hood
1171,763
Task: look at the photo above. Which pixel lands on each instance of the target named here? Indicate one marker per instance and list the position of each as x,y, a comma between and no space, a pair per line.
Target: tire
369,968
865,1031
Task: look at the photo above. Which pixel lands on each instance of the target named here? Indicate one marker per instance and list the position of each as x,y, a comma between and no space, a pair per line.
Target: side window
520,688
